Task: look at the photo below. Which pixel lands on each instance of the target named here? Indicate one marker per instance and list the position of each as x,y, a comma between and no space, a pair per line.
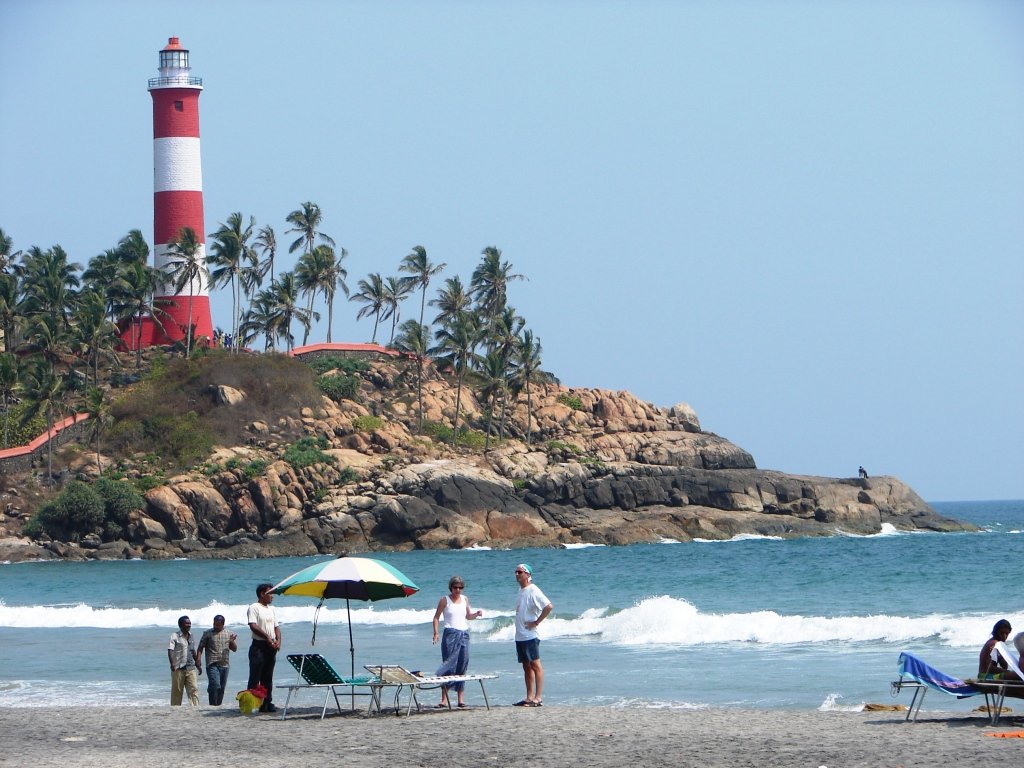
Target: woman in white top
455,641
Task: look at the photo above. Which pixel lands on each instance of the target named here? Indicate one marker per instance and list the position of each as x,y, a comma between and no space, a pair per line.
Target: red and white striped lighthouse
177,190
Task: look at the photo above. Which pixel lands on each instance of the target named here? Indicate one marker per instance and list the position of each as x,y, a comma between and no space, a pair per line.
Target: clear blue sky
803,218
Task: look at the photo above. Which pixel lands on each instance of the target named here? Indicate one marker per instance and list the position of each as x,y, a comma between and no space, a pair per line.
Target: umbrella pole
351,652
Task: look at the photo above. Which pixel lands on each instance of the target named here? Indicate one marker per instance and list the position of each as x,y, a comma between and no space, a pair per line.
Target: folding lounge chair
400,677
996,691
919,677
316,672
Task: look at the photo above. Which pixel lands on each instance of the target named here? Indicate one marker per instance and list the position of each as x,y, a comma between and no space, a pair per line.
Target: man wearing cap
532,607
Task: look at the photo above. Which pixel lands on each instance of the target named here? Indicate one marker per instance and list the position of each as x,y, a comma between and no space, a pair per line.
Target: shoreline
119,737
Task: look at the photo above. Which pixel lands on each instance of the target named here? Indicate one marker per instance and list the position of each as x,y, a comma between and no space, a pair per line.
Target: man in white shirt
266,642
532,607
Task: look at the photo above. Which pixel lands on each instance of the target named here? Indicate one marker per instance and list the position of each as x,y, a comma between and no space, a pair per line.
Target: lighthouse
177,194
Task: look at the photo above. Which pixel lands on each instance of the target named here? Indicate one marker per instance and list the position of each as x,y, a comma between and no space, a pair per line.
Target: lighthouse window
179,106
178,59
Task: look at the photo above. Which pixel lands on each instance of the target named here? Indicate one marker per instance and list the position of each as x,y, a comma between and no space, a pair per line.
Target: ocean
754,622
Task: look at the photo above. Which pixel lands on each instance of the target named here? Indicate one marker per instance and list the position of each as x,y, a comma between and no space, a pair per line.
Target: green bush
442,433
339,387
119,499
347,365
306,452
471,438
254,469
148,482
570,400
78,510
348,475
18,433
367,423
468,438
558,447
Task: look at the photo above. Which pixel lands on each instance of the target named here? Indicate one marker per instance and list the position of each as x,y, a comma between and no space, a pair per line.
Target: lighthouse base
169,324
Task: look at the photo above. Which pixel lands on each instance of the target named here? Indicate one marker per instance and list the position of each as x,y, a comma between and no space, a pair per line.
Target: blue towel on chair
913,667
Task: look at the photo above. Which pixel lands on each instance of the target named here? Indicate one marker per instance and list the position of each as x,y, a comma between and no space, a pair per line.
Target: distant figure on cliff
862,472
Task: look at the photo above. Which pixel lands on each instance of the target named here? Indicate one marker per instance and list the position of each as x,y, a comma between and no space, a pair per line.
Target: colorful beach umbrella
351,578
354,578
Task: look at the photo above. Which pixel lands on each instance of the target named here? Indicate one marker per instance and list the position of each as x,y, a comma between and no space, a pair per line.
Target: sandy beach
504,736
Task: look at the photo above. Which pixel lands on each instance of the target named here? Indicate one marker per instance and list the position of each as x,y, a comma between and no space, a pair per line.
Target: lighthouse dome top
174,68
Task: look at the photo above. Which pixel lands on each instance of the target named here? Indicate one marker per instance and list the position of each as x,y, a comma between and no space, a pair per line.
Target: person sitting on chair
991,665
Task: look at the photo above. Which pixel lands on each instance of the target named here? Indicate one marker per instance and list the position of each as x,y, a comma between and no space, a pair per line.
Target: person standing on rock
184,659
455,642
266,642
532,607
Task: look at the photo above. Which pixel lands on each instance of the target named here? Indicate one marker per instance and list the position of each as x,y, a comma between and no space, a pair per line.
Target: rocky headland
597,467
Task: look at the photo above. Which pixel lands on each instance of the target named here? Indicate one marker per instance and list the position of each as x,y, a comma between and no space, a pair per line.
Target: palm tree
526,364
103,274
371,293
285,308
185,267
44,391
456,342
452,301
48,339
259,318
133,300
8,385
492,371
98,408
266,241
420,271
229,256
306,221
320,271
93,332
132,248
334,277
49,281
6,250
414,340
489,284
502,340
10,314
395,292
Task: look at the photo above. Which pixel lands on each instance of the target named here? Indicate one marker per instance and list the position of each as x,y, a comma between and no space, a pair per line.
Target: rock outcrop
586,465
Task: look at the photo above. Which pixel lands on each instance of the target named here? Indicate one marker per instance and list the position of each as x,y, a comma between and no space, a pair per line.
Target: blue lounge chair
919,677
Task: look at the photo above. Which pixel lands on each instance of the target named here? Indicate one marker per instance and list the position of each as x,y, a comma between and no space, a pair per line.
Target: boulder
225,395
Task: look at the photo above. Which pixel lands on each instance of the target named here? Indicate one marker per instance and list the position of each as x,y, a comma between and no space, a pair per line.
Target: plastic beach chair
401,678
316,672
